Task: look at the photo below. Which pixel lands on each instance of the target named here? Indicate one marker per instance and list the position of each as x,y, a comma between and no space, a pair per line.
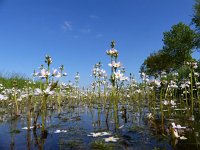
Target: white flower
177,127
196,74
197,83
64,74
48,92
143,74
194,65
103,71
19,99
184,92
146,80
111,139
115,64
180,127
3,97
59,131
36,74
24,95
124,78
175,73
176,135
184,85
157,83
188,82
118,74
172,103
112,52
77,77
183,138
99,134
37,92
165,102
138,91
95,134
150,116
56,73
26,128
105,133
174,86
43,73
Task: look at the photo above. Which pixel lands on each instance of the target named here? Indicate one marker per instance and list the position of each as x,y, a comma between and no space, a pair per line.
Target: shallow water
132,128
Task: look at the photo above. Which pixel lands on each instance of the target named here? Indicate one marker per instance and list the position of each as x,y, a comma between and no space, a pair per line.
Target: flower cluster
112,52
116,74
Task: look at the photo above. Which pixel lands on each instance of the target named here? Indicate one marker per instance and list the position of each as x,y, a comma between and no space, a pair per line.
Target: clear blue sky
77,33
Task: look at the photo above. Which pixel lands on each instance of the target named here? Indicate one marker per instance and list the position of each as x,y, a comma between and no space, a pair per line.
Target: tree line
178,45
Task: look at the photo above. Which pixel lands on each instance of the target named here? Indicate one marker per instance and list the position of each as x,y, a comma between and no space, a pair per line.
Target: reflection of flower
171,102
99,134
26,128
95,134
111,139
121,126
150,116
175,131
59,131
177,126
176,135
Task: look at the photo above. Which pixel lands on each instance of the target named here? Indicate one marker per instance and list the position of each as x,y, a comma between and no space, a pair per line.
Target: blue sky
77,33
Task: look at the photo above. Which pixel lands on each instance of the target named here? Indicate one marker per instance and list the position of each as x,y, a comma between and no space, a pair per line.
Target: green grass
9,80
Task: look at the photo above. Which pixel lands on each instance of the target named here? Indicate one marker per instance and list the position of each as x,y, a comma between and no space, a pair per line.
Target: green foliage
183,72
156,63
20,81
196,21
196,17
179,43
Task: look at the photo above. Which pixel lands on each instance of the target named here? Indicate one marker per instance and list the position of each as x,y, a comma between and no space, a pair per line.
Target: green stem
191,92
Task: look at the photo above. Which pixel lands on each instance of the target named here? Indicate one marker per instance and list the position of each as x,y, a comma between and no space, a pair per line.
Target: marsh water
78,120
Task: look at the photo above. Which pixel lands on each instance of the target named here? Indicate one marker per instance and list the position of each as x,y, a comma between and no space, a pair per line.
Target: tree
196,21
196,17
179,43
156,63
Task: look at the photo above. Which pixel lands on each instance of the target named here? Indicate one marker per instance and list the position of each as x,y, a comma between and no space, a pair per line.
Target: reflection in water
124,121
